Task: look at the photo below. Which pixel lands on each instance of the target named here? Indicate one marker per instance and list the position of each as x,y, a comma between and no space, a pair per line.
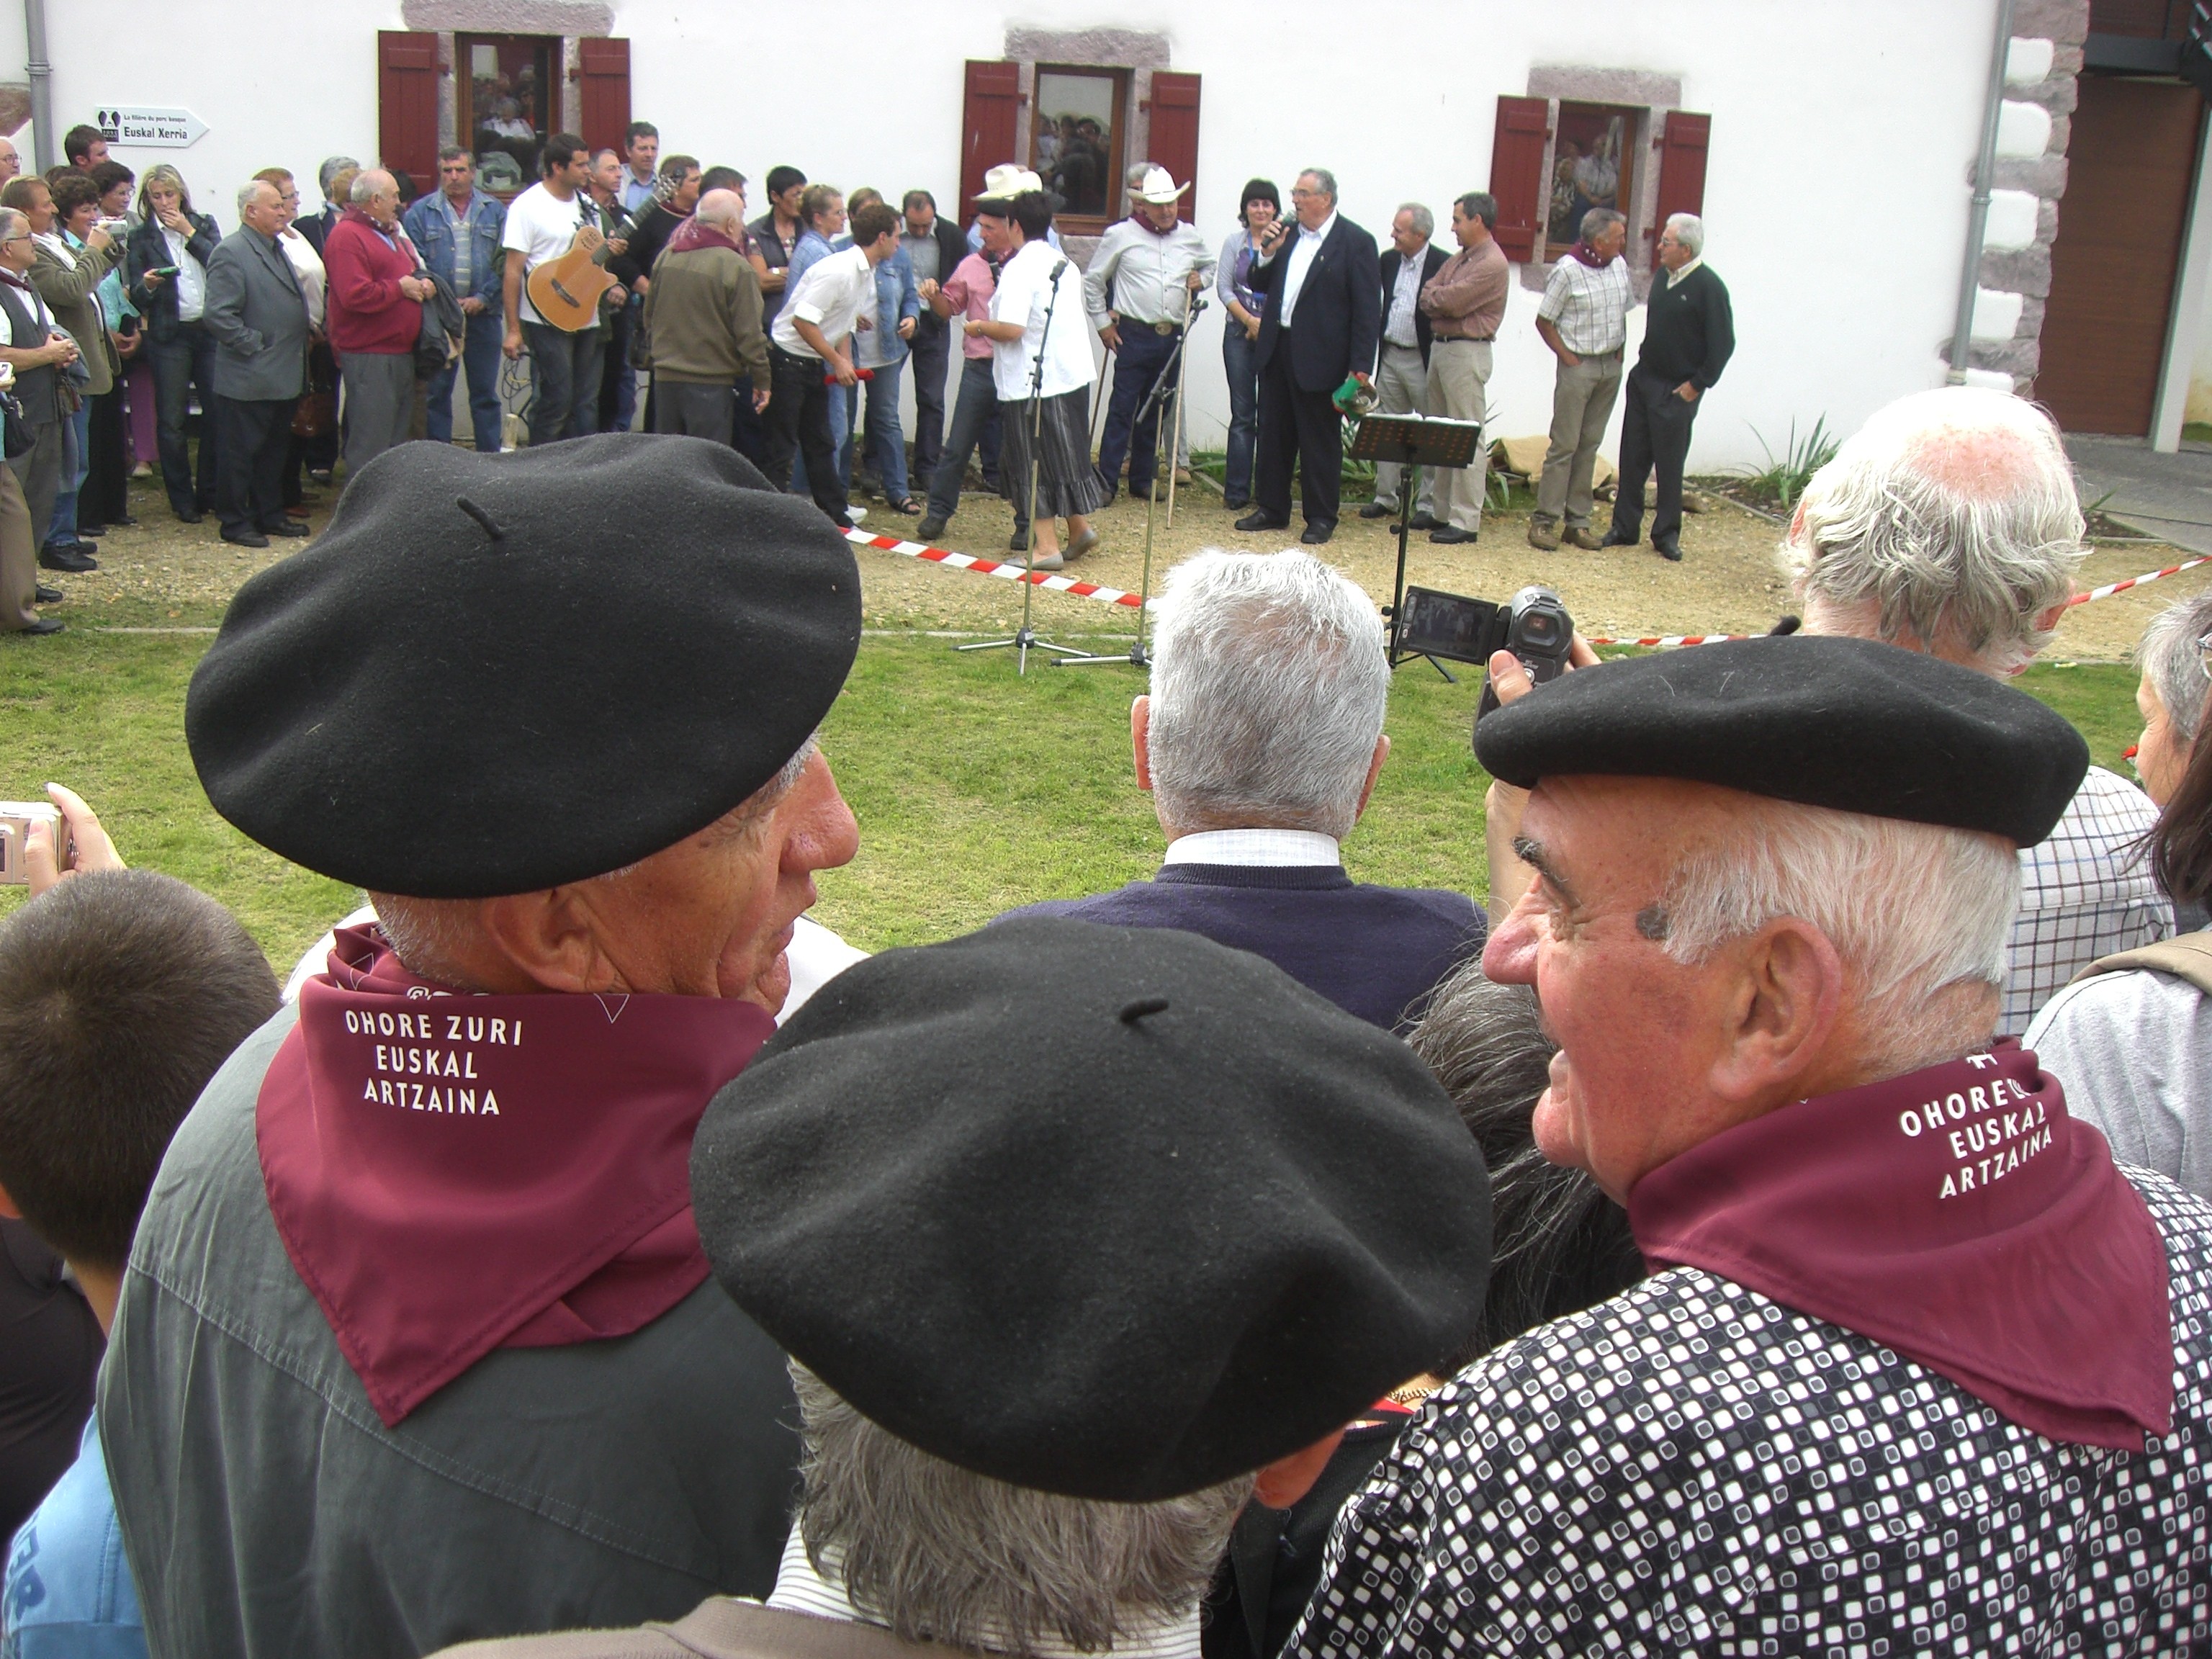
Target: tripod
1170,370
1413,441
1025,639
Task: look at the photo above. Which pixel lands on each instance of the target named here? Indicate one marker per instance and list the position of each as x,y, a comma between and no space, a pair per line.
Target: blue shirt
69,1593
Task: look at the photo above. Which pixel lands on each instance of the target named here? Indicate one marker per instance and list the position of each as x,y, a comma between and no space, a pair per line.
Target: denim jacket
898,297
432,232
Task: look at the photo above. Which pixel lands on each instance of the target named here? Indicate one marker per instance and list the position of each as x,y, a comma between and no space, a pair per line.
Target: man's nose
1508,957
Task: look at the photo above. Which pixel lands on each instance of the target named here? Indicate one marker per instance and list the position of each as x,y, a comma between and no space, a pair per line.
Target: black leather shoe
1020,542
1262,521
287,527
43,594
66,558
1424,521
1376,510
1614,538
246,539
1450,535
1237,505
192,517
1315,534
1670,552
85,529
82,548
44,625
929,529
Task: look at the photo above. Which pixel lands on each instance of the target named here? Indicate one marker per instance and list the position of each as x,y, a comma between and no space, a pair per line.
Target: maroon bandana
453,1174
691,234
1588,256
1956,1216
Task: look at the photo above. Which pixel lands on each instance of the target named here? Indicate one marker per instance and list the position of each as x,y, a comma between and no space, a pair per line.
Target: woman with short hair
1240,350
166,269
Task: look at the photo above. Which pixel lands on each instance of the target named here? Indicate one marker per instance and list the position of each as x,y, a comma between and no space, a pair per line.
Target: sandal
908,506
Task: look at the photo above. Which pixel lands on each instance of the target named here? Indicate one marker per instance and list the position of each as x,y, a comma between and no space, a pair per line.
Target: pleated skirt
1067,481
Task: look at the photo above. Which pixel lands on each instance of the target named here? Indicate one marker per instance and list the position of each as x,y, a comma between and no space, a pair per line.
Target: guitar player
543,223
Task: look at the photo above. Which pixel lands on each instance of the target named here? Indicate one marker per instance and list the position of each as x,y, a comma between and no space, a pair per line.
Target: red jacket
367,311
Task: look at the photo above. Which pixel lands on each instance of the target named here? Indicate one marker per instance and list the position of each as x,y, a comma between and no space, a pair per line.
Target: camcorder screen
1435,625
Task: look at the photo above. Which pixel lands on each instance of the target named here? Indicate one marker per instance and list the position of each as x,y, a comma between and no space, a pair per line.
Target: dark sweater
1371,950
1689,331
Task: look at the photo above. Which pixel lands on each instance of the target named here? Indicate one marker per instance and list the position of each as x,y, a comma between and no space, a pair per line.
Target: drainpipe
1977,216
42,83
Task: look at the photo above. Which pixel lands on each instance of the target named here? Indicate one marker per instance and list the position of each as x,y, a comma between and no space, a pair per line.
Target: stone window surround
565,20
1135,50
1649,96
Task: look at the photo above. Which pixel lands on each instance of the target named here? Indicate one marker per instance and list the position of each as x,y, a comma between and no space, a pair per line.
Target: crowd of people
345,332
585,1254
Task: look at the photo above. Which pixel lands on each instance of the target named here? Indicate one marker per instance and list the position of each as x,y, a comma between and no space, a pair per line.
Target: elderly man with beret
417,1342
1059,1300
1918,1369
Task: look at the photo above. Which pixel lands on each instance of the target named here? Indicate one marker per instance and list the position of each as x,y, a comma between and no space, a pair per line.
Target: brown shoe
1544,535
1582,539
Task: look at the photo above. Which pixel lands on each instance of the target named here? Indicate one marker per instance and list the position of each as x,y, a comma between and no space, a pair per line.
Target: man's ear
1782,1009
547,937
1287,1480
1374,771
1141,740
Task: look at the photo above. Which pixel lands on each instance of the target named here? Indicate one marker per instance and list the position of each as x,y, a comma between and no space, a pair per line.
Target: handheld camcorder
17,817
1534,625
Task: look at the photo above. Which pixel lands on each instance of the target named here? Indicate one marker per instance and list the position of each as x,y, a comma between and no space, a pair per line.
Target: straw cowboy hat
1159,187
1009,179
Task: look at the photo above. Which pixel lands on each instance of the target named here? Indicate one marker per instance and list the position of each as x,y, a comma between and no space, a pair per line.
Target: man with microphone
1139,291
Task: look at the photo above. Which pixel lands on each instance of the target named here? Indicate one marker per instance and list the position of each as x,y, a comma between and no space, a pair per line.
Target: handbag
315,414
17,440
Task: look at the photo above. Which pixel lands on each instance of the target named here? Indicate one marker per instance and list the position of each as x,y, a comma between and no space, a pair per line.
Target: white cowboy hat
1008,180
1159,187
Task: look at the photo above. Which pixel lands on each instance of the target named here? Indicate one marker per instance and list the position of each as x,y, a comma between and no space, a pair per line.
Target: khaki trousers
1401,387
1581,402
1458,384
19,557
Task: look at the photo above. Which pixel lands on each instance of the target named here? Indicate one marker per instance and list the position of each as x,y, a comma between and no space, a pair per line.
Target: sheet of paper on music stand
1416,441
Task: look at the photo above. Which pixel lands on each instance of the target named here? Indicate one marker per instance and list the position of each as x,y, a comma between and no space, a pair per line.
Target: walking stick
1175,444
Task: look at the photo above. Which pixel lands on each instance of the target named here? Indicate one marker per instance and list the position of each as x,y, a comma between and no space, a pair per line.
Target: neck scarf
453,1174
1955,1215
1588,255
691,234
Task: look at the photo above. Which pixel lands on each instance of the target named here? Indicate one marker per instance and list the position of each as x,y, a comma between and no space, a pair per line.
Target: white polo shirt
830,295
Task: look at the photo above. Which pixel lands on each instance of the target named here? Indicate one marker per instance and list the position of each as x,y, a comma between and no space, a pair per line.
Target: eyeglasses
1306,194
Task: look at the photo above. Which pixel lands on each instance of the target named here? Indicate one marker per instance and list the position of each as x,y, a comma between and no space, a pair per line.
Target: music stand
1411,441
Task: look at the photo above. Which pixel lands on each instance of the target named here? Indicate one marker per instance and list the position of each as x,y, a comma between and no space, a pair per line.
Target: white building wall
1836,191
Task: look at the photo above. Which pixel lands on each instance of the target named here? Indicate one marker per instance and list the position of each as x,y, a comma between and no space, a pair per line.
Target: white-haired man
1950,523
1689,334
1260,742
375,317
258,313
703,313
1138,289
1402,379
1919,1369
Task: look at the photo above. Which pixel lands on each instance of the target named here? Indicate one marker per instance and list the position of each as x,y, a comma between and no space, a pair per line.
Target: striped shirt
1588,307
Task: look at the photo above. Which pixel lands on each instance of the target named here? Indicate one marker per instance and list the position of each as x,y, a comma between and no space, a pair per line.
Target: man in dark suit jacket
1401,379
1260,742
258,317
1318,276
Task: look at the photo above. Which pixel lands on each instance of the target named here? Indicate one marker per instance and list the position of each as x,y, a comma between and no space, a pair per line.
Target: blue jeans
61,529
886,442
480,356
182,362
1140,361
973,414
1240,357
564,372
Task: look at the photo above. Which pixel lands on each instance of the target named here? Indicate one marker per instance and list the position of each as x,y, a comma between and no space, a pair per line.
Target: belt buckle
1163,328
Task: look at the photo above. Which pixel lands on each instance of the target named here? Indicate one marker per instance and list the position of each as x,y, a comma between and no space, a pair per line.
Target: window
504,105
1077,143
1592,164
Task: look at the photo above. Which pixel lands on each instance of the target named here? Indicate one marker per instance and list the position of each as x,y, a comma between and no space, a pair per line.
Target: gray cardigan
258,317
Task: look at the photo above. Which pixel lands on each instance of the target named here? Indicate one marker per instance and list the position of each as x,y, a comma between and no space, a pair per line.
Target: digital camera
17,817
1534,625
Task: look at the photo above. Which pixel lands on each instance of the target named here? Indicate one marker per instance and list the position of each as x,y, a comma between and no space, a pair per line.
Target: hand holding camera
41,845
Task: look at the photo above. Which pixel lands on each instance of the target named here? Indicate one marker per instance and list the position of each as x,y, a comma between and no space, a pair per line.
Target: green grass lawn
975,790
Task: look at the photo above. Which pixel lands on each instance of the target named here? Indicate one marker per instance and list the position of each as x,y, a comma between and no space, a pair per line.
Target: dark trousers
617,385
564,377
1655,435
102,499
184,363
689,408
1138,365
1239,360
798,420
975,416
480,358
255,438
1298,426
748,434
932,352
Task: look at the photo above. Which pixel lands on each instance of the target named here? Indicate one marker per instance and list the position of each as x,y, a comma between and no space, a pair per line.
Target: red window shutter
990,125
603,74
1682,166
1175,132
407,103
1517,173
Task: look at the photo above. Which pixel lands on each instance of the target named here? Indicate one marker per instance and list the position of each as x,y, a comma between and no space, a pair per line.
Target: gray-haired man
1401,383
1261,743
258,316
1689,334
1584,319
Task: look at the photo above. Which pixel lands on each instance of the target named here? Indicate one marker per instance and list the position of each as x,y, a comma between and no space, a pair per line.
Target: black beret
1114,1212
1850,724
496,673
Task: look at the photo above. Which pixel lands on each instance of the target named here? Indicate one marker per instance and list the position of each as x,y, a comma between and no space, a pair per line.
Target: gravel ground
166,574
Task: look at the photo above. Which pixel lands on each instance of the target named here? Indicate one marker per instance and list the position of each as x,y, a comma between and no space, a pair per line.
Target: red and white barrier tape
1012,570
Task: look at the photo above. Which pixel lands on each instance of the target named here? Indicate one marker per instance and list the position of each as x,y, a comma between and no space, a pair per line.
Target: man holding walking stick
1138,291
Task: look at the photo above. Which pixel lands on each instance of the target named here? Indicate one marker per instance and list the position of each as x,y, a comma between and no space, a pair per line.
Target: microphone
1060,271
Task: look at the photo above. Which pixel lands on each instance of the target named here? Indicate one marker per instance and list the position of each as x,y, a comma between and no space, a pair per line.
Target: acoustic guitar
567,291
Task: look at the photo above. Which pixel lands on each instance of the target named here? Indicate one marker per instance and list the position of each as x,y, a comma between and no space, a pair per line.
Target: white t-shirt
1025,284
191,278
540,226
832,294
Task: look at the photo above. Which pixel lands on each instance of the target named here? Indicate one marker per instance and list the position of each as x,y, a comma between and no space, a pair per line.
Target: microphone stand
1025,639
1170,373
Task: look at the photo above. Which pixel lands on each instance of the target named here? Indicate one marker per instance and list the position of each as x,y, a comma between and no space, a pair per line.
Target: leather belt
1157,328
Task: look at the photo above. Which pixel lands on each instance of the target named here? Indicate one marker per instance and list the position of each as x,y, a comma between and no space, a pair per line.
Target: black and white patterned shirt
1692,1468
1588,307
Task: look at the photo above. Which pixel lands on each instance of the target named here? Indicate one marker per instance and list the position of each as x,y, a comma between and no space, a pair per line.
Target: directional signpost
154,128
